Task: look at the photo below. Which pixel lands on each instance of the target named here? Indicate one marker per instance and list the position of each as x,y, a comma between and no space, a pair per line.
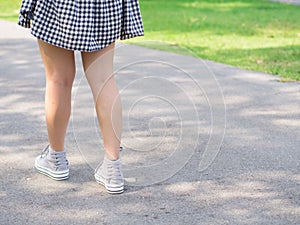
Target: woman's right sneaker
53,164
109,174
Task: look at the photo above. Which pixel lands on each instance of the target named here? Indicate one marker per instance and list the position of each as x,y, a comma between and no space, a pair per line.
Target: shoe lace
114,171
45,151
111,170
58,158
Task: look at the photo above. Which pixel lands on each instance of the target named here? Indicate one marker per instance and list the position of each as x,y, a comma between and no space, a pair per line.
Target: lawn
9,9
252,34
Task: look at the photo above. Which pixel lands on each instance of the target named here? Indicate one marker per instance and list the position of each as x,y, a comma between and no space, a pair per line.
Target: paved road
176,109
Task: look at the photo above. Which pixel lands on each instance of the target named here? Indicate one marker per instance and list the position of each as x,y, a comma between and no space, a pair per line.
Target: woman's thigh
59,63
98,67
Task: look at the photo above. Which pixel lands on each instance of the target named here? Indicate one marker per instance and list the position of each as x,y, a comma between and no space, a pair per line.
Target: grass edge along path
252,34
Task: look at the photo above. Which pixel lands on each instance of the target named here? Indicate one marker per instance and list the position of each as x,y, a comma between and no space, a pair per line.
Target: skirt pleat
83,25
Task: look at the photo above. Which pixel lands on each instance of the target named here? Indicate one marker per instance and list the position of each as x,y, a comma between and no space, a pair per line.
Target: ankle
110,158
113,154
55,151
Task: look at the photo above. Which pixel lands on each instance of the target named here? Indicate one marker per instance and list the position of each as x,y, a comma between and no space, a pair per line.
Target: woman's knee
61,78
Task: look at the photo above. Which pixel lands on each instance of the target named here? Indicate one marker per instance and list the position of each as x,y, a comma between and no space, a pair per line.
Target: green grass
252,34
9,9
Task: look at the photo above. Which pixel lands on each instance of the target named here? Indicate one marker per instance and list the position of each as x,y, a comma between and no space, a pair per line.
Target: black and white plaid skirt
83,25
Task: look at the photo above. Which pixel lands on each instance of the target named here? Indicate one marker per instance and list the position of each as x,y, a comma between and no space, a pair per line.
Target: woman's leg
60,72
98,67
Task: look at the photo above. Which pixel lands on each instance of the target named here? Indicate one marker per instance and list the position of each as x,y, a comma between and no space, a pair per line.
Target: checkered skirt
83,25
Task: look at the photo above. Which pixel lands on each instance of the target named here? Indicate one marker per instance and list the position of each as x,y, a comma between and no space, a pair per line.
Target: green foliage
252,34
9,9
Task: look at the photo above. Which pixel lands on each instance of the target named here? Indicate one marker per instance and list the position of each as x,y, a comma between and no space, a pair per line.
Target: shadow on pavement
254,179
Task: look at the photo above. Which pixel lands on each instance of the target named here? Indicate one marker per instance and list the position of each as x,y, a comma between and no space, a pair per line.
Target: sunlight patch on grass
219,6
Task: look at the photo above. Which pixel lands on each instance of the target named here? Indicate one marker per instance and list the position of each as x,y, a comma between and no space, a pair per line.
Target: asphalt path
204,143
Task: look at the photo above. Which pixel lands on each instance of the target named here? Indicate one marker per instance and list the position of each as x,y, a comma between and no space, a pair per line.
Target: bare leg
98,67
60,72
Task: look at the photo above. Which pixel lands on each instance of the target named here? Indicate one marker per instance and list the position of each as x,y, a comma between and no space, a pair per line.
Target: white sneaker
53,164
109,174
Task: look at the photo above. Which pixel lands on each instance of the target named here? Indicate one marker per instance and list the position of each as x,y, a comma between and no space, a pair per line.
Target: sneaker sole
62,175
110,189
